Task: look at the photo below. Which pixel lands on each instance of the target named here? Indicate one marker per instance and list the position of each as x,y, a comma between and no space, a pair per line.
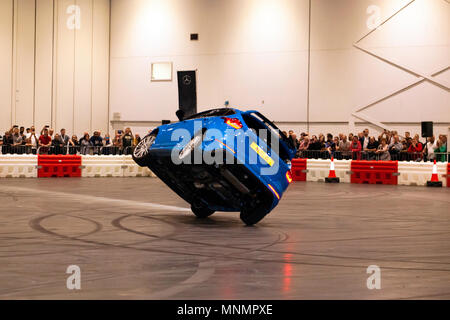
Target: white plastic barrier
18,166
418,173
319,169
131,169
112,166
101,166
25,166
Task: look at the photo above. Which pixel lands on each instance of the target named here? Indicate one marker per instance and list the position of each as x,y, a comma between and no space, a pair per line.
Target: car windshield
256,121
270,125
212,113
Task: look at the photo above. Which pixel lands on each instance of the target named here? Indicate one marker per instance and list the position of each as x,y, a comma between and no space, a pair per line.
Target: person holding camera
415,150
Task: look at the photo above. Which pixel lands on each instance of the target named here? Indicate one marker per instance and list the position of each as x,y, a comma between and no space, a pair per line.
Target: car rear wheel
140,153
201,211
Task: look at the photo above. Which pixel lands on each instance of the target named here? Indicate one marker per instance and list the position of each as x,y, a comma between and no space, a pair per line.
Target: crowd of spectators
387,146
21,140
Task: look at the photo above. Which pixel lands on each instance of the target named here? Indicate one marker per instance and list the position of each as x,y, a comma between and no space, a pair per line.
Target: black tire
201,212
140,153
253,216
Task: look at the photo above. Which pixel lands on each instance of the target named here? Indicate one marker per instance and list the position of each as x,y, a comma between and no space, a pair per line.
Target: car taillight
233,122
289,176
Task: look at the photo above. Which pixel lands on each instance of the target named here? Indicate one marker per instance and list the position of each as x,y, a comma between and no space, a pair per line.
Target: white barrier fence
411,173
418,173
25,166
112,166
18,166
319,169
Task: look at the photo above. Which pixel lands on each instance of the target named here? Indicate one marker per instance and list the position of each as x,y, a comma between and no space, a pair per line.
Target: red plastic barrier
298,169
59,166
448,175
374,172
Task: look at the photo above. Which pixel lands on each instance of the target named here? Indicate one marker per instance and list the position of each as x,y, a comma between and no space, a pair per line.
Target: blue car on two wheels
221,160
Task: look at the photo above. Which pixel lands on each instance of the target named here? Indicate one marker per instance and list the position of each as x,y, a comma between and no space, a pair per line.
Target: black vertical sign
187,92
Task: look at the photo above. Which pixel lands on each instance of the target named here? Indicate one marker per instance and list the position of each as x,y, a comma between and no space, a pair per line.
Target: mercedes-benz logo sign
187,80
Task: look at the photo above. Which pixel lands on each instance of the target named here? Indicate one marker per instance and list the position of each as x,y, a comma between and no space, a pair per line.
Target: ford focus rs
221,160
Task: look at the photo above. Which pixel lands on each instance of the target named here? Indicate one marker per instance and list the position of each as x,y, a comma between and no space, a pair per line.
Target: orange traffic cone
332,175
434,182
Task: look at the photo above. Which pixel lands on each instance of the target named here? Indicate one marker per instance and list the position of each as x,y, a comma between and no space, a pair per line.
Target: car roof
219,112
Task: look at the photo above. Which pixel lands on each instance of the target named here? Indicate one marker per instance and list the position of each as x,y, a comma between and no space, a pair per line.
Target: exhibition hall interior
224,149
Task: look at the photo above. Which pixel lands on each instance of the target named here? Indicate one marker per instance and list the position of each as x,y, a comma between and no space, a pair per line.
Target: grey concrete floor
135,239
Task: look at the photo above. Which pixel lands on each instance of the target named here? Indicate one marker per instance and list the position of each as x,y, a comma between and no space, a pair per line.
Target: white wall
6,32
52,74
417,38
256,50
248,52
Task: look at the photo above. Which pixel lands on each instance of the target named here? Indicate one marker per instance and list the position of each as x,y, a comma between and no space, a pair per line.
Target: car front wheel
140,153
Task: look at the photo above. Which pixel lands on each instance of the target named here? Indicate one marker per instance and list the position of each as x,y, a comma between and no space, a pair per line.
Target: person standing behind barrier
7,142
74,141
364,140
292,139
371,148
441,149
314,147
407,135
45,141
107,142
415,150
32,135
330,145
22,133
108,146
96,141
64,137
344,147
395,147
302,137
117,144
386,135
17,137
127,140
17,140
29,147
429,148
383,151
355,148
85,144
74,145
304,145
137,139
58,145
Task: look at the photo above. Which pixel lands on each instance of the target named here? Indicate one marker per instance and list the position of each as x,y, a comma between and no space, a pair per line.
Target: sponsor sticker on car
262,154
